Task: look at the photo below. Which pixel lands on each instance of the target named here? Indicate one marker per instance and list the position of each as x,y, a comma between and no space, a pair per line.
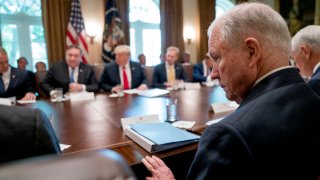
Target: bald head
254,20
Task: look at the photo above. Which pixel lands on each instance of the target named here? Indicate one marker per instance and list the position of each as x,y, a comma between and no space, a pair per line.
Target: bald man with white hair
306,54
274,133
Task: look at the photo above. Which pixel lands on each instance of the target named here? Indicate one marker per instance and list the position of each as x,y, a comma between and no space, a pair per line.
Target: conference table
96,124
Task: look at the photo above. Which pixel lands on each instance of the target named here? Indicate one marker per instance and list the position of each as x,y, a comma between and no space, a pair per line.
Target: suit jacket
58,76
314,82
274,134
19,84
25,133
111,77
160,75
198,73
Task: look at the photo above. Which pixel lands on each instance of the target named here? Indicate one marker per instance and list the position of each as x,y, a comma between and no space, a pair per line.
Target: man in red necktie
123,73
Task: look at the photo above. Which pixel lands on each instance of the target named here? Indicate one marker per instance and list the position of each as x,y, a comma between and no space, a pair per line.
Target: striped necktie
171,74
71,76
125,78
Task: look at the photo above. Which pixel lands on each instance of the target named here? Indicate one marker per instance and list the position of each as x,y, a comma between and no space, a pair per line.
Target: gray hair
309,35
122,49
173,48
3,51
256,20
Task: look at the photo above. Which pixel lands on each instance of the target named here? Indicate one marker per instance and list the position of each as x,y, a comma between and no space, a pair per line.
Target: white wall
93,14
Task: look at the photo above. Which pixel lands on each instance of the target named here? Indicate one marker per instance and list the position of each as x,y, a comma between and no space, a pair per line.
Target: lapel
278,79
177,69
13,78
116,73
316,74
65,71
81,74
133,70
164,71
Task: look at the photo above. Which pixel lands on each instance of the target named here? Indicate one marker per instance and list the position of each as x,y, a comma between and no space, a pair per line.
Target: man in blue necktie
71,75
14,82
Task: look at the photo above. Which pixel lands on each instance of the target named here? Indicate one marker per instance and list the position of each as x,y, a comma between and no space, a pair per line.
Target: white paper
5,101
211,83
125,122
153,92
113,95
64,146
224,107
26,101
55,100
189,86
131,91
214,121
81,96
184,124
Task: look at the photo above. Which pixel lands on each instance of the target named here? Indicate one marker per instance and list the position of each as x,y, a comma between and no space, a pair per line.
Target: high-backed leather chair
102,165
98,70
39,76
188,69
148,70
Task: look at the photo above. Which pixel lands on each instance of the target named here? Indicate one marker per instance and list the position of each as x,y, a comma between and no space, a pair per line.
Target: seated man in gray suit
306,54
13,81
274,133
169,73
123,73
24,133
71,75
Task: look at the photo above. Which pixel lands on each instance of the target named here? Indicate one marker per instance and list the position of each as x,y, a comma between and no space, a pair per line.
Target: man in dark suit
274,134
14,82
169,73
71,75
306,54
22,64
123,73
202,71
24,133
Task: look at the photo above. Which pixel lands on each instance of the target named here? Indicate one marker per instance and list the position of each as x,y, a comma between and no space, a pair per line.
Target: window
145,34
223,6
22,32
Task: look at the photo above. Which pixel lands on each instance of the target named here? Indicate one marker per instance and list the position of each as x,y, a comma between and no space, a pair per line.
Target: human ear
306,51
254,49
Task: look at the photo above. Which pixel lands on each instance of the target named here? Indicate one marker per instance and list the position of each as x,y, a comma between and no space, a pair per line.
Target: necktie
171,74
71,76
2,90
125,78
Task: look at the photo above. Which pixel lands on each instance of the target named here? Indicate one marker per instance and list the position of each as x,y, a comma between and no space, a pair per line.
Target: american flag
112,34
76,31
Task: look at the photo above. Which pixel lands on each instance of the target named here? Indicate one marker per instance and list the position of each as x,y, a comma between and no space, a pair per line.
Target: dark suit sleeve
143,77
46,141
156,80
25,133
198,73
315,85
103,83
92,83
220,155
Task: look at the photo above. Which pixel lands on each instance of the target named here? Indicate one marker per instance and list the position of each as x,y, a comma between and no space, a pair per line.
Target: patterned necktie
125,78
2,90
171,74
71,76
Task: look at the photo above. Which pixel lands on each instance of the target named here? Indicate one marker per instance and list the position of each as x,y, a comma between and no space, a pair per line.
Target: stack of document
224,107
155,137
153,92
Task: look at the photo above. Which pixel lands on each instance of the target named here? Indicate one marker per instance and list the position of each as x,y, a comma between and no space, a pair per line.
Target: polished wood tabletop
96,124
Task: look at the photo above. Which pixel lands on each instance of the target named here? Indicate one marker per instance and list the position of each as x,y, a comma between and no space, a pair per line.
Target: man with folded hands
71,75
